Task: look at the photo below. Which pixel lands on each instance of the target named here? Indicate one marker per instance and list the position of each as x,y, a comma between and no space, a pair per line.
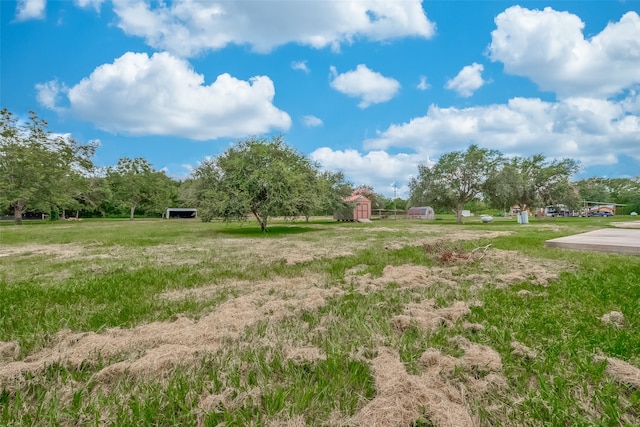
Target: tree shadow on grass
274,231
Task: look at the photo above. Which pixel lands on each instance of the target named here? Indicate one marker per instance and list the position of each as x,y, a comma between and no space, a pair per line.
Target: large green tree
457,178
532,182
257,176
38,170
134,183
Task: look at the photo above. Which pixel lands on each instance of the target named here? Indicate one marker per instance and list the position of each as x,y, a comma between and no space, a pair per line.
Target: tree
38,170
457,178
533,181
332,189
135,183
612,190
258,177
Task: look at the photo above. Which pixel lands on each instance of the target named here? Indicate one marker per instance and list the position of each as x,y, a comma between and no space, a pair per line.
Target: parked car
602,213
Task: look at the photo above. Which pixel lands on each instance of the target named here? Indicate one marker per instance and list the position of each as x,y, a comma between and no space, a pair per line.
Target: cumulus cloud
163,95
189,27
586,129
371,87
30,9
468,80
376,168
549,47
311,121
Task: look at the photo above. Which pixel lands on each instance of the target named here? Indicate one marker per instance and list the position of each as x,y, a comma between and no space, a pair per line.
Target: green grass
94,275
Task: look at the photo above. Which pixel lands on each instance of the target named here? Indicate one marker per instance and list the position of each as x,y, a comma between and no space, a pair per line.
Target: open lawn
391,323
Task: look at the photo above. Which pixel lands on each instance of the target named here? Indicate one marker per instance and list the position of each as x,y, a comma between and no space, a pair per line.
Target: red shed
357,208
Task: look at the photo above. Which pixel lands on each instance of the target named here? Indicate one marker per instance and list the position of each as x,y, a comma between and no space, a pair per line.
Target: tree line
477,175
262,178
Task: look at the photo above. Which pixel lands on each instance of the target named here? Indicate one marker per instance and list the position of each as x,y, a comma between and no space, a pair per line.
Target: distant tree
92,195
38,170
259,177
595,190
332,189
457,178
611,190
533,182
397,203
134,183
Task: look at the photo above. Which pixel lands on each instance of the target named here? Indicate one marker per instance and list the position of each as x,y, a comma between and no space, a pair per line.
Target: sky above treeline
368,87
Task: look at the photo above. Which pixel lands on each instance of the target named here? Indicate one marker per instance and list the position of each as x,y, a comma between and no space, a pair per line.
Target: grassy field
392,323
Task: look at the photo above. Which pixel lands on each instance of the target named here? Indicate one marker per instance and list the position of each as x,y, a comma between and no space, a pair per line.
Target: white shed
421,212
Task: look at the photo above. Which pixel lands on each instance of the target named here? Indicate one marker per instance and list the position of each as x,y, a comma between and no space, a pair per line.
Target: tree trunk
459,216
64,214
17,212
262,221
131,210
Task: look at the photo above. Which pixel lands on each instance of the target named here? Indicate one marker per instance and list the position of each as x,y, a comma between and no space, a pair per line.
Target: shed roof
355,197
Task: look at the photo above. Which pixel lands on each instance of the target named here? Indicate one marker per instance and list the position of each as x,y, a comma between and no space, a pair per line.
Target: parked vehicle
602,213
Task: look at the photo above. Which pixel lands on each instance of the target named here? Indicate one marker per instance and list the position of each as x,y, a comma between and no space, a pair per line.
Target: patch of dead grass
426,316
621,371
303,354
521,350
614,318
155,349
403,399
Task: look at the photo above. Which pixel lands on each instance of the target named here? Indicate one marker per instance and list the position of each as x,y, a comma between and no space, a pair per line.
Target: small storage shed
356,208
181,213
421,212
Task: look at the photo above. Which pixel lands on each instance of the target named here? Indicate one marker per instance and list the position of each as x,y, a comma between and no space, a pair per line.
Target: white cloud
378,169
468,80
370,86
590,130
163,95
30,9
549,47
312,121
189,27
89,3
301,66
48,93
423,85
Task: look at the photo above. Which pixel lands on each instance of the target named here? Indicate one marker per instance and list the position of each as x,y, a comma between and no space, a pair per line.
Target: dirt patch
613,318
155,349
621,371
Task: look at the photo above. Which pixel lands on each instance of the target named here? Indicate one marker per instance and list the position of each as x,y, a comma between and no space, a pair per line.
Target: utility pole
395,196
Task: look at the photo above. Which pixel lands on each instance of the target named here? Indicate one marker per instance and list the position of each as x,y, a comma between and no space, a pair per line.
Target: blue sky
369,87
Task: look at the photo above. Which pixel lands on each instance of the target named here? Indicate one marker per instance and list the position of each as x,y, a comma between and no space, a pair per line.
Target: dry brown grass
621,371
613,318
155,349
